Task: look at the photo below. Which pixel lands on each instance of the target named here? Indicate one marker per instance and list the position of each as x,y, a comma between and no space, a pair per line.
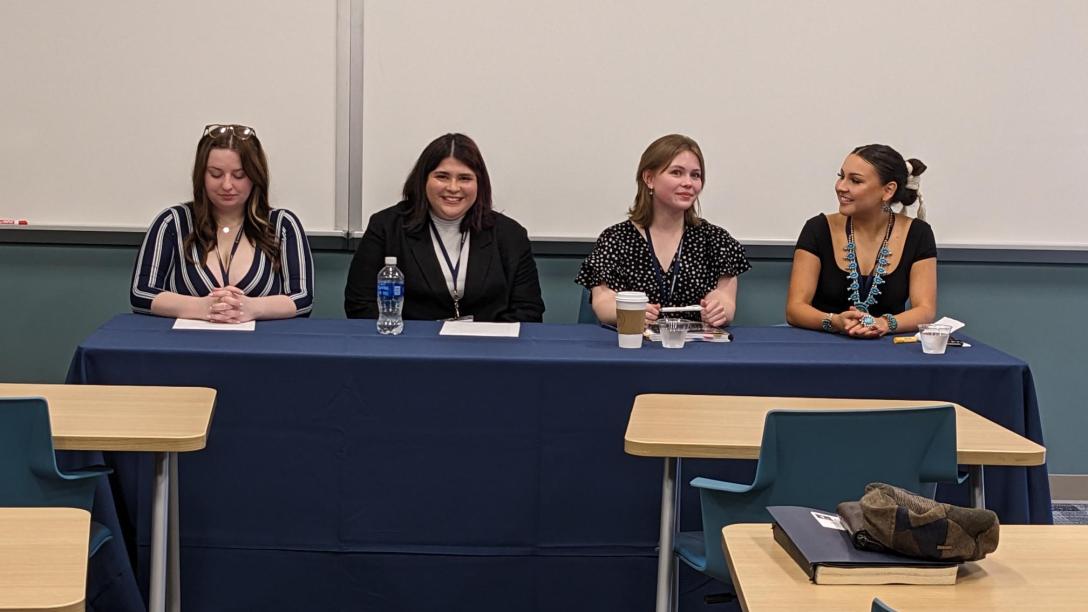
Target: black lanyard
673,267
224,270
453,268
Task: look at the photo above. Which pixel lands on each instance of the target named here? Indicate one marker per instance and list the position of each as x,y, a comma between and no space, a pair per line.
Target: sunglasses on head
241,132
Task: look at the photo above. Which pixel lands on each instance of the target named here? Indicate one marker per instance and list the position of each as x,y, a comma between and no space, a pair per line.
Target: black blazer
501,282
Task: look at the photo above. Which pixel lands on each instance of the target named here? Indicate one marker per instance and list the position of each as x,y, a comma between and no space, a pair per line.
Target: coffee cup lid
631,296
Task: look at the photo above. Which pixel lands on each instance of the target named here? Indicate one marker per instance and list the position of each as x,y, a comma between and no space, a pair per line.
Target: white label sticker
831,521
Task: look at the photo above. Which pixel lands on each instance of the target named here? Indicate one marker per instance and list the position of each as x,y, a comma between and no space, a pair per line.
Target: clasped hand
852,325
229,305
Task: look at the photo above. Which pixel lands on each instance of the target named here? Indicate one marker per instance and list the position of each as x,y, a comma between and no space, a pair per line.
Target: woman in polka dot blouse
664,248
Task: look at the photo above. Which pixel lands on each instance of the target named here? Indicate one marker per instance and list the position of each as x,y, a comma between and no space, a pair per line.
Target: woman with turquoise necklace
854,270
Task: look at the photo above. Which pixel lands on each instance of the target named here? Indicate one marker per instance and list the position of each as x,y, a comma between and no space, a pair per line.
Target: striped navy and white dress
161,264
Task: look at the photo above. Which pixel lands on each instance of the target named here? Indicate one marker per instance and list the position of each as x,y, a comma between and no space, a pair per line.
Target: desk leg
159,508
978,486
173,544
666,560
674,602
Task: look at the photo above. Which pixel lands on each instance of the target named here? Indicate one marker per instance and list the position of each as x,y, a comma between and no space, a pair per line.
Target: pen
695,308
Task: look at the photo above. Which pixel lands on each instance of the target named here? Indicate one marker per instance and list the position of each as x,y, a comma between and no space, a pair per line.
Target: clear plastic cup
673,333
934,338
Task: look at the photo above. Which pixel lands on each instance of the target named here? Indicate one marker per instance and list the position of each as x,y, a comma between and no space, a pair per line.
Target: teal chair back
585,309
29,476
880,606
819,458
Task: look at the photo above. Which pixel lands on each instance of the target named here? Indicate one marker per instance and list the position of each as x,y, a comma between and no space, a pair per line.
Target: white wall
564,95
103,103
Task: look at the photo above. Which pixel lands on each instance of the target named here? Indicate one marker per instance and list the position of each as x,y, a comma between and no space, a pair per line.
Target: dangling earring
651,193
885,206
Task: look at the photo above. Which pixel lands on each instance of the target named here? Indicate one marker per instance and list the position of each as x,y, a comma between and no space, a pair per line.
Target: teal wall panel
53,296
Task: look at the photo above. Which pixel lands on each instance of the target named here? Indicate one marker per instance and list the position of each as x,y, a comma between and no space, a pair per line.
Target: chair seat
690,547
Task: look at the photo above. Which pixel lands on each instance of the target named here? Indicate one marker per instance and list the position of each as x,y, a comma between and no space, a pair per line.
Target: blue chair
880,606
585,309
29,476
818,458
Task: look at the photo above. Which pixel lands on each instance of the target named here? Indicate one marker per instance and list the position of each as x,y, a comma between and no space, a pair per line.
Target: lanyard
673,267
224,270
453,268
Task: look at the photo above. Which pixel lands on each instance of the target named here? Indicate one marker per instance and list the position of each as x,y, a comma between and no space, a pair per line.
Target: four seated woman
194,263
664,249
854,270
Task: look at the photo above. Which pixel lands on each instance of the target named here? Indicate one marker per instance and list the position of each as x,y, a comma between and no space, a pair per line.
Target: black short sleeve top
622,261
831,293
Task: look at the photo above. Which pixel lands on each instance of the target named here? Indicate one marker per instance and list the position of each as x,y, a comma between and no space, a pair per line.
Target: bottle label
390,289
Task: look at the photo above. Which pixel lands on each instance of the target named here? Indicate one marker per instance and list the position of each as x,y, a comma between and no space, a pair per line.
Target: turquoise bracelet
826,324
892,323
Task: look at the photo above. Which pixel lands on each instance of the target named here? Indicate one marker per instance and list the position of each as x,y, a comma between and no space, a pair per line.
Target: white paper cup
631,317
934,338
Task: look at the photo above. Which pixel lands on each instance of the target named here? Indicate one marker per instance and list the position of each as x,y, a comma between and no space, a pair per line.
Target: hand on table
853,327
713,312
653,311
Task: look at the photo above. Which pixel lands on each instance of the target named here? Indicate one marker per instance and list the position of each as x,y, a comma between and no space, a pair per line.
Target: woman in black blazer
459,257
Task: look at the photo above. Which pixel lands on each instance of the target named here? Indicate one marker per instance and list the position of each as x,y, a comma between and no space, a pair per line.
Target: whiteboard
563,96
103,103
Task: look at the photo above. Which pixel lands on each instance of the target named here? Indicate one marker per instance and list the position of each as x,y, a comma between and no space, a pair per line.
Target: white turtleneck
450,232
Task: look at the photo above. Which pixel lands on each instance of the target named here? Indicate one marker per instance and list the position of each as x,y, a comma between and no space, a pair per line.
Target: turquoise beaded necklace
879,269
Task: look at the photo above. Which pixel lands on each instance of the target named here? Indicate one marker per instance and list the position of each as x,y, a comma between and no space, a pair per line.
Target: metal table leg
666,560
978,486
173,545
159,527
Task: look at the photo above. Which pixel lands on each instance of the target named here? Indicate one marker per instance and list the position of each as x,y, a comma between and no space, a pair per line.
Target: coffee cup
631,317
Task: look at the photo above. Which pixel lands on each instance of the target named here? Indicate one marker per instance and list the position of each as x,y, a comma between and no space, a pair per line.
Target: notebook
819,543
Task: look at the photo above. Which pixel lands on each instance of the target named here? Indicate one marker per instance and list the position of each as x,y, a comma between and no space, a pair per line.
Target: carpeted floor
1070,512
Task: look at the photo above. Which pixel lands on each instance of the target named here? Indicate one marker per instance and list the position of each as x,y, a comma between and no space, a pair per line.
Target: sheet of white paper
949,321
198,324
472,328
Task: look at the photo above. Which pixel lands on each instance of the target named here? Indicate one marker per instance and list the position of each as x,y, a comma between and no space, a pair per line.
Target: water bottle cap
390,261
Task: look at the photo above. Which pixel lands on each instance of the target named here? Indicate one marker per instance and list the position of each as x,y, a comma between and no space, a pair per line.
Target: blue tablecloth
347,470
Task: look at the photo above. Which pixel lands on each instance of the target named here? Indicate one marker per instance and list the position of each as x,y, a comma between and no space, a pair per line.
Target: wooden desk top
43,558
731,427
1035,567
124,418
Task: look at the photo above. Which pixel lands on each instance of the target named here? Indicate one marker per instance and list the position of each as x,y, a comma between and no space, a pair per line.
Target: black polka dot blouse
622,260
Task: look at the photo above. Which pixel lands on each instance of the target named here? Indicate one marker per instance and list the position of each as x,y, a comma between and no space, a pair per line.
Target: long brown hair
656,158
255,224
463,149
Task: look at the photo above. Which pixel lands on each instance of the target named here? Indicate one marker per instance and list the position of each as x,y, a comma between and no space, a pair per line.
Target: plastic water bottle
390,298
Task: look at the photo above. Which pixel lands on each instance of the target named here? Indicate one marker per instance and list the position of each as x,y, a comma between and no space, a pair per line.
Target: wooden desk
43,558
1035,567
731,427
161,420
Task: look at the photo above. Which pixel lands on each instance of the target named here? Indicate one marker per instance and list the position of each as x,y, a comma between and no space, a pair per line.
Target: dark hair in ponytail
891,166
